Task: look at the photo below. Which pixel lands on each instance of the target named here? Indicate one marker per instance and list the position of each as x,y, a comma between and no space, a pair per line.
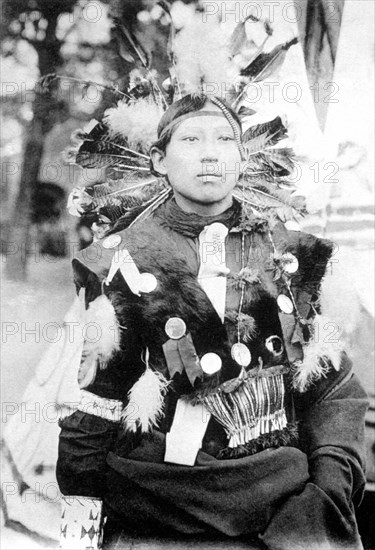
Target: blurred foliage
73,39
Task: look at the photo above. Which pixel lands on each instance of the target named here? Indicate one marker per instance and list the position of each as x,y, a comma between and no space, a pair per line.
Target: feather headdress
206,58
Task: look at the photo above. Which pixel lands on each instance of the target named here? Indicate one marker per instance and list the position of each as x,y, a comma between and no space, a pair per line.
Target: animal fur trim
145,402
321,354
102,339
288,436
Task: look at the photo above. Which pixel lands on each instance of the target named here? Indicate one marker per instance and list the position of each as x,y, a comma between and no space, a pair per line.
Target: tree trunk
18,239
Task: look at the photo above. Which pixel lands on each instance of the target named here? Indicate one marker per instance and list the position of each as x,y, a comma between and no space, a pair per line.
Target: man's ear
158,161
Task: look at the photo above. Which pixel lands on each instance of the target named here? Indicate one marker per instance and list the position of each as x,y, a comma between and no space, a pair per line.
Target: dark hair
188,104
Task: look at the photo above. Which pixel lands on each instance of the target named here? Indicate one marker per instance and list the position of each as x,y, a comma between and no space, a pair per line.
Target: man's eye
190,138
226,138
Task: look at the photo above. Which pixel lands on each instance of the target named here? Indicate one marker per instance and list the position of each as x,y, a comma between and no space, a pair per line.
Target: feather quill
160,199
128,43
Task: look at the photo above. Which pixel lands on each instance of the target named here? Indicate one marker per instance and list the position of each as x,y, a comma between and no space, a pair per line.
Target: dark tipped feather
274,163
99,148
272,132
116,198
130,48
102,159
267,63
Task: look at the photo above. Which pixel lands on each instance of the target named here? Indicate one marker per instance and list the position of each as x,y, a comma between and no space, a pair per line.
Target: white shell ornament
210,363
175,328
285,303
275,345
111,241
148,282
290,263
241,354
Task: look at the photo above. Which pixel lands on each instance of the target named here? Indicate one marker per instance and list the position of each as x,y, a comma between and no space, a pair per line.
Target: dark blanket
233,497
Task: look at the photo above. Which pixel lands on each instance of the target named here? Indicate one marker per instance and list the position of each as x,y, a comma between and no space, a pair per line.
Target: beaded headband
186,116
224,113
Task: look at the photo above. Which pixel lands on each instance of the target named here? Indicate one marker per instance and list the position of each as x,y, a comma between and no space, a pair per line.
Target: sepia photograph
187,275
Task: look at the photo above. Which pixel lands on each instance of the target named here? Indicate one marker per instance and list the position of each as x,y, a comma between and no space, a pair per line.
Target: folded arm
332,435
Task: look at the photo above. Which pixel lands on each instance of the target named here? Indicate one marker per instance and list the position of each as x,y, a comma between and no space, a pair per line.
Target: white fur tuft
137,122
321,354
145,402
203,56
102,338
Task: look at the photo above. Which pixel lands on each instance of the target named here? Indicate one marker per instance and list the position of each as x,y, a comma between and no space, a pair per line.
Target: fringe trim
287,437
254,408
264,425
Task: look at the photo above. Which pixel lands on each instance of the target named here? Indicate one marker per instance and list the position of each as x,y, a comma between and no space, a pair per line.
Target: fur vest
138,319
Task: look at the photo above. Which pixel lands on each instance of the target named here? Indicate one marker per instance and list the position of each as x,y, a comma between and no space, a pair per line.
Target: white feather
145,402
137,122
102,338
202,53
321,354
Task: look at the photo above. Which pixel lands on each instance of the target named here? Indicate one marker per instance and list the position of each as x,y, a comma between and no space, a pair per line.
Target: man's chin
208,198
207,201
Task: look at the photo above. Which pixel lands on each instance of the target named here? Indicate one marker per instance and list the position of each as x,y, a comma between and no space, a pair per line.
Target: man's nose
209,152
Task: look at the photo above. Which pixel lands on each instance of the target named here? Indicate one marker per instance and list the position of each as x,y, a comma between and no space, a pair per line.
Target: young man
212,410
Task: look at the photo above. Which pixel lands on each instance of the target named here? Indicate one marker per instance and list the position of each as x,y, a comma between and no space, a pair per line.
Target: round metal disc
112,241
275,345
210,363
148,282
291,263
241,354
285,303
175,328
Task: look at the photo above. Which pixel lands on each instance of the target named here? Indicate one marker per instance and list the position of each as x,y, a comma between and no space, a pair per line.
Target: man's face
202,160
